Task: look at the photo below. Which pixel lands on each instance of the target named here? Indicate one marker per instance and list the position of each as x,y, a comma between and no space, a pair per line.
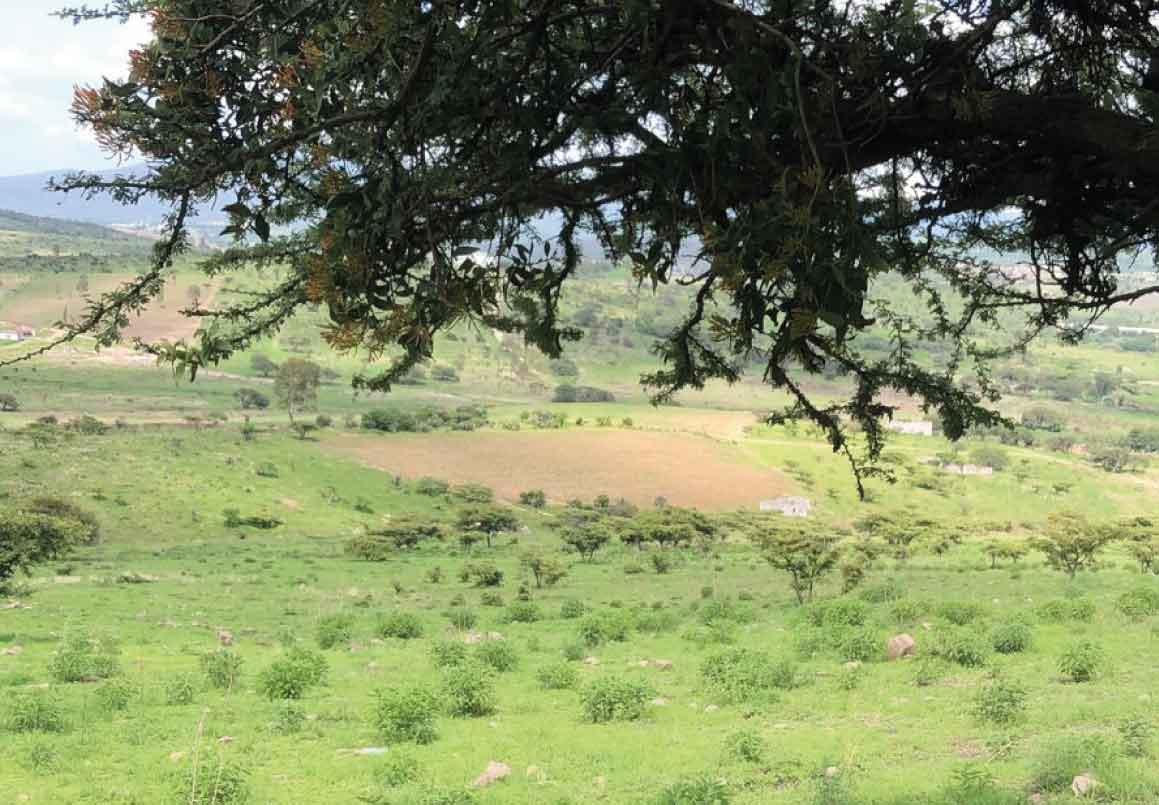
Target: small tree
262,365
804,554
296,385
1146,554
489,521
30,538
586,539
547,570
1071,543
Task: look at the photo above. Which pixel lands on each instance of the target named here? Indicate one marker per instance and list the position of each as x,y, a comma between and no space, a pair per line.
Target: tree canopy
777,156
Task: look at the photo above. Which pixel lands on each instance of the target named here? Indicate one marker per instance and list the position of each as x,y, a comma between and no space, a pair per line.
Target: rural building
917,428
790,506
967,469
18,333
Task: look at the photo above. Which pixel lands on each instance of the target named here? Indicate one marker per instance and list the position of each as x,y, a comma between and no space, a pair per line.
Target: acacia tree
805,553
800,152
29,538
296,385
1071,543
488,521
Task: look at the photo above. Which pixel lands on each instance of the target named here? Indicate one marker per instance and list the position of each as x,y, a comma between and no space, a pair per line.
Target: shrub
403,533
738,675
962,646
523,612
1080,661
468,690
1058,761
29,538
861,644
745,745
407,714
1139,603
905,611
1063,609
288,718
222,667
473,493
961,613
557,676
571,609
535,498
266,469
497,654
482,574
1010,638
400,625
462,619
88,527
491,598
290,676
927,671
882,593
84,658
1135,732
444,374
35,711
251,399
614,698
574,651
697,790
334,630
431,487
838,612
398,769
180,689
445,653
115,694
212,780
1000,702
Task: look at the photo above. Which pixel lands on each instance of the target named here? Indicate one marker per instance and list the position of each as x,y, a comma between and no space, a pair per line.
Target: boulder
1083,785
899,646
591,661
494,772
225,637
663,665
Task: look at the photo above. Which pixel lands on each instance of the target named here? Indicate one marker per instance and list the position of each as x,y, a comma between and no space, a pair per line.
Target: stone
1082,785
663,665
225,739
12,651
899,646
591,661
660,701
832,772
494,772
853,665
225,637
712,708
371,750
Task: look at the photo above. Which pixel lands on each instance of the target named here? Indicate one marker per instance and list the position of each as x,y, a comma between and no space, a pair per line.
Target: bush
698,790
290,676
614,698
398,769
482,574
89,528
739,675
497,654
468,690
1139,603
905,611
1135,732
115,694
1080,661
522,612
222,667
745,745
961,613
927,671
462,618
334,630
212,780
1064,609
1010,638
838,612
473,493
407,714
402,533
446,653
9,403
400,625
1000,702
571,609
251,399
661,562
557,676
491,598
535,498
84,658
180,690
861,644
962,646
28,538
444,374
1061,759
567,393
288,718
882,593
35,711
431,487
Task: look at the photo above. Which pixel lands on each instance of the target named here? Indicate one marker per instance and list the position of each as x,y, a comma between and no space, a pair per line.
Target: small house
916,428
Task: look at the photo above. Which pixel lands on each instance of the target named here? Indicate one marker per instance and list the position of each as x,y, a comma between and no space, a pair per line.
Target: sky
41,59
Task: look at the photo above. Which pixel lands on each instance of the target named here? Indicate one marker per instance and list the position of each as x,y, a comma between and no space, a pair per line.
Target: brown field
687,469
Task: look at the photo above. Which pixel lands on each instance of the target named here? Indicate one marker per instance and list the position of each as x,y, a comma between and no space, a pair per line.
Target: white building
789,505
917,428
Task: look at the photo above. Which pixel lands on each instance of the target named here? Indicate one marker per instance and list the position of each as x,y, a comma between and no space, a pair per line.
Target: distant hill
20,222
28,194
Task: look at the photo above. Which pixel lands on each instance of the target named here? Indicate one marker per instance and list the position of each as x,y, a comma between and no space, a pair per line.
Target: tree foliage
28,538
488,520
296,385
804,552
800,152
1071,543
